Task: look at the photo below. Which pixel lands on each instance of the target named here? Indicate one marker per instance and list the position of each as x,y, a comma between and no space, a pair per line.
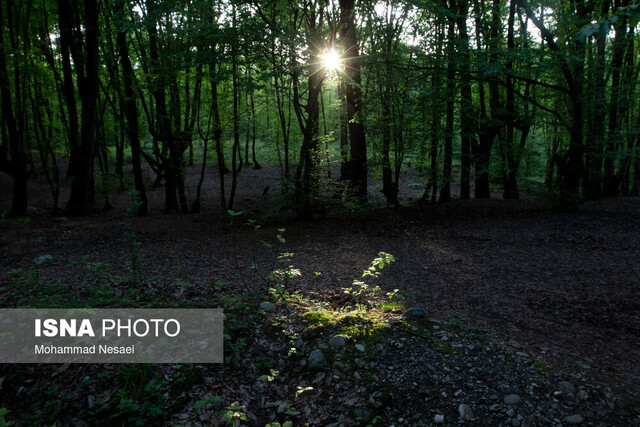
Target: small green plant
302,390
543,367
375,419
269,377
233,214
130,234
360,289
233,412
4,411
282,276
455,322
255,227
285,424
203,402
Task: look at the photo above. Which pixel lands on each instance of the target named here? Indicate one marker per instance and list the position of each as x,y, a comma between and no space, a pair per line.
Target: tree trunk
345,167
164,129
445,190
353,96
389,188
82,198
131,113
17,166
217,136
611,184
466,103
256,165
66,39
236,119
510,185
594,186
283,121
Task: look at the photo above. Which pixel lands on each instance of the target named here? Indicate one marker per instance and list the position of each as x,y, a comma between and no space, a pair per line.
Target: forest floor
522,299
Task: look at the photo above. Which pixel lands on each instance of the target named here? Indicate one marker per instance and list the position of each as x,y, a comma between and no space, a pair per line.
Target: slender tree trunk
626,111
131,112
436,117
66,38
17,167
613,142
43,130
466,103
283,122
236,120
250,118
256,165
353,94
510,185
445,190
217,136
345,167
195,207
388,186
594,187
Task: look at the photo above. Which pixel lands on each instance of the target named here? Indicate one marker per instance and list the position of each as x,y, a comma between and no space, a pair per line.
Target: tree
12,141
131,109
86,61
353,96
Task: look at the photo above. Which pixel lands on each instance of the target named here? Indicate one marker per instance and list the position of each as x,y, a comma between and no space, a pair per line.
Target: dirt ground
562,286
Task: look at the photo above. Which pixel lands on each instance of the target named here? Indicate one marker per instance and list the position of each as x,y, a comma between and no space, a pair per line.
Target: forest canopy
476,97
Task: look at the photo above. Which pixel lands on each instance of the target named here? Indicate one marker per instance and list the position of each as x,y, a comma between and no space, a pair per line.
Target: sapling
130,234
360,289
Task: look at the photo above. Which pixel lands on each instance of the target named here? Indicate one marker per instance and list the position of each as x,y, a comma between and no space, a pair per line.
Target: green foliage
3,421
204,402
543,367
285,424
301,390
269,377
361,290
233,214
233,412
318,317
281,277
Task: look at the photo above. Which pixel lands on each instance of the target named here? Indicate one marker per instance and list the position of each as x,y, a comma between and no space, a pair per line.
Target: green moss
541,365
320,317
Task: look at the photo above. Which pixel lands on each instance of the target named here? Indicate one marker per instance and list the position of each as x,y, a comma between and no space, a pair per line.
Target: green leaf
202,402
302,390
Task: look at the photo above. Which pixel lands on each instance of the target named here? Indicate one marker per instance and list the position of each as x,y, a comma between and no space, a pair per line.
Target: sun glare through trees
331,60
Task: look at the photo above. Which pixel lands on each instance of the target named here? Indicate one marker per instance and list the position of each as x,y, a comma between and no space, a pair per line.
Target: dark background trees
477,98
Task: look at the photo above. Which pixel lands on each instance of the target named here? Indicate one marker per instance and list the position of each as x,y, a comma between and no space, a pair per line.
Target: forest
468,95
412,212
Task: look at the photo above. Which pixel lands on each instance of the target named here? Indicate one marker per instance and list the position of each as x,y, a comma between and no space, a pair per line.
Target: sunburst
331,60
